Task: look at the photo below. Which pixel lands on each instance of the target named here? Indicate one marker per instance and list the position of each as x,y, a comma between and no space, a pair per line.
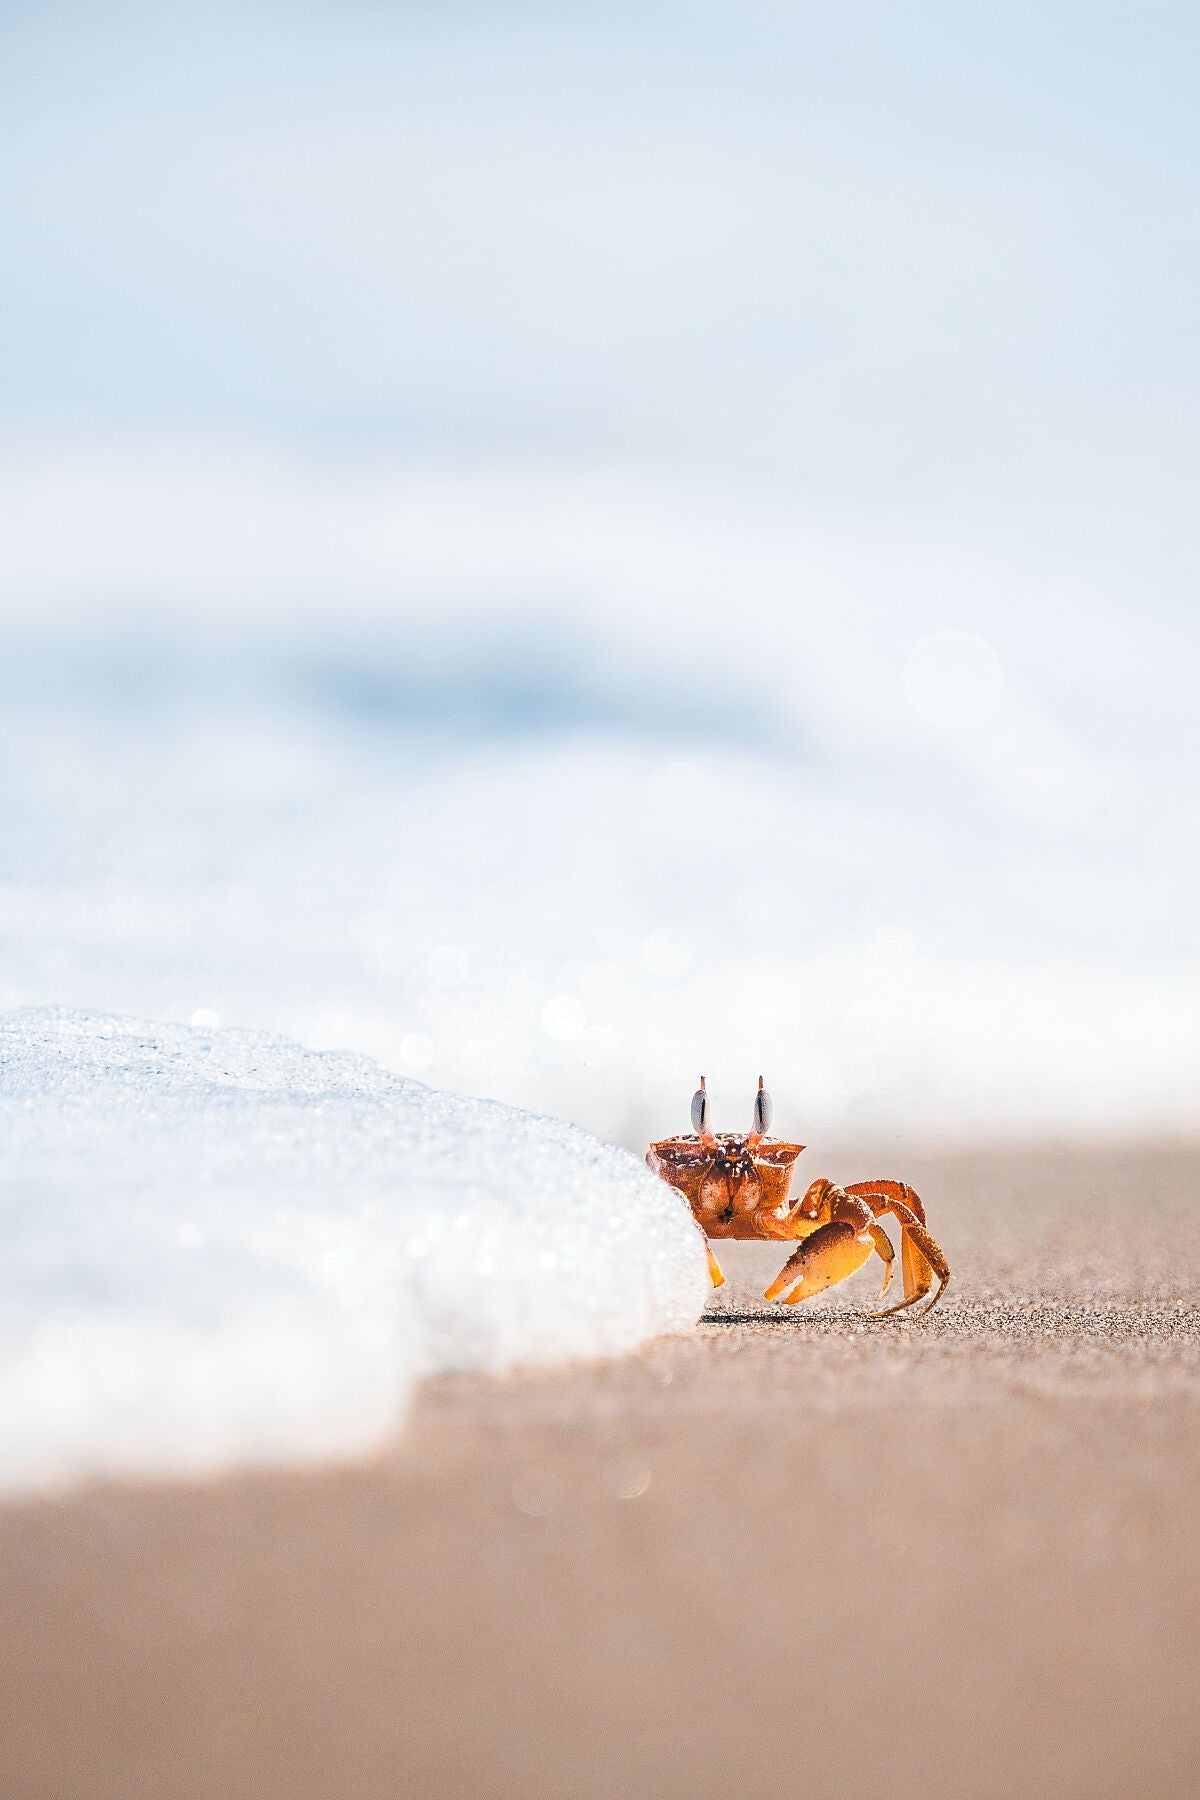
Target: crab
737,1187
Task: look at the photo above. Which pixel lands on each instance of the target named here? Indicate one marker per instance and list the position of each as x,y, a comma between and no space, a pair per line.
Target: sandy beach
790,1552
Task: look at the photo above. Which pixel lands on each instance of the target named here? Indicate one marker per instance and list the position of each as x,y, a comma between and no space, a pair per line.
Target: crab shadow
780,1316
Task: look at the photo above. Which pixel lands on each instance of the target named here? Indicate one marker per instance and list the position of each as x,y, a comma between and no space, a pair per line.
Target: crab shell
727,1181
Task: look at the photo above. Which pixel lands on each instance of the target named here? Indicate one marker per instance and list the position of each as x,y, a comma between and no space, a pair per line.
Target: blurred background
564,548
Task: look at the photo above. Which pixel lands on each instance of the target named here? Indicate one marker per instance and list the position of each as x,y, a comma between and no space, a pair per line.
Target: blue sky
914,271
940,256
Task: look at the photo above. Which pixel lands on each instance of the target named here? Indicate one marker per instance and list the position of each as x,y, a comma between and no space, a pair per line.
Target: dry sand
792,1553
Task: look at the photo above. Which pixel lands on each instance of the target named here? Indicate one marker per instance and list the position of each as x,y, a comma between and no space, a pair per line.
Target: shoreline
792,1550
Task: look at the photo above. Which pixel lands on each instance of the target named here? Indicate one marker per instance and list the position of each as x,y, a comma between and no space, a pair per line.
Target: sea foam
220,1248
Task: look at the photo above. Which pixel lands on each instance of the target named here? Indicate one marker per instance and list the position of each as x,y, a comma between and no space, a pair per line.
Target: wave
220,1248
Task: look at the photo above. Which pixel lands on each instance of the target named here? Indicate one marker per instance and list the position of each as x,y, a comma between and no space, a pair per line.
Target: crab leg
716,1276
883,1244
921,1257
889,1190
715,1273
918,1274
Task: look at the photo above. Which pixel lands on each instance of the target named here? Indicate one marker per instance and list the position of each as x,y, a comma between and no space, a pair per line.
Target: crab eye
700,1109
764,1112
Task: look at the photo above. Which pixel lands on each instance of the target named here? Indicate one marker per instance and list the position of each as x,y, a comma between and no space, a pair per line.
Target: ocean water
219,1248
560,787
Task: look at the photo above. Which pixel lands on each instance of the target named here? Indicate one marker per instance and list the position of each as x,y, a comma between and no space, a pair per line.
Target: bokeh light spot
598,1047
448,965
563,1017
627,1480
416,1051
665,953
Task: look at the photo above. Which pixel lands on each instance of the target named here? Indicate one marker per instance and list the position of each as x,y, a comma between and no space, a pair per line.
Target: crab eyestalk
700,1114
764,1112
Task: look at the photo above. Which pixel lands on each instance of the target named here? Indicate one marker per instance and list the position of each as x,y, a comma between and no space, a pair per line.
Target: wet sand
794,1552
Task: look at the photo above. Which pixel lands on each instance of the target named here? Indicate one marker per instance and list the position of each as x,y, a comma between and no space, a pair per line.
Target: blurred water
934,887
561,551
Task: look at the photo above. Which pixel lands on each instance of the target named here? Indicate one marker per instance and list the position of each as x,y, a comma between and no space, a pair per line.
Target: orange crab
737,1187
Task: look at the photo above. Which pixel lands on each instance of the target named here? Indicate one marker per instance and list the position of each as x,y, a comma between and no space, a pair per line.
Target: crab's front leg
839,1246
715,1272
